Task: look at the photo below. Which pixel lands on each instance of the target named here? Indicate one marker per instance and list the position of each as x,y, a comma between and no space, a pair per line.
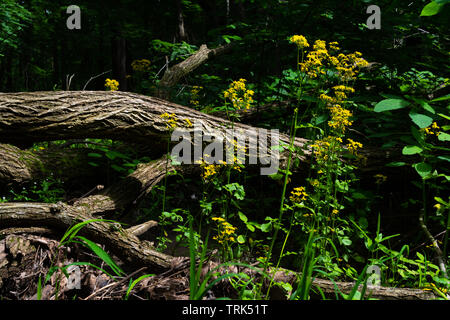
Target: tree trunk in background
119,61
181,29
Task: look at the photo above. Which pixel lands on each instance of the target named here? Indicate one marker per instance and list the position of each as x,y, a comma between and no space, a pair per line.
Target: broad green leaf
241,239
431,9
423,169
421,120
444,136
390,104
409,150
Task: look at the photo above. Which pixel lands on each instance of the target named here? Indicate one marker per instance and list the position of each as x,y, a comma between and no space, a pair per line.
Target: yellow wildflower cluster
171,120
300,41
194,95
323,148
141,65
334,46
225,231
298,195
339,118
111,84
210,169
346,65
239,95
353,146
339,115
433,129
349,64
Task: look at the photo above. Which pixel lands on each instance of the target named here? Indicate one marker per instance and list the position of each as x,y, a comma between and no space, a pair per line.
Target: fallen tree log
28,117
60,216
19,166
140,253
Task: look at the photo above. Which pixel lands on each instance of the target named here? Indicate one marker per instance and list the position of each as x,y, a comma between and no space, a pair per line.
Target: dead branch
174,74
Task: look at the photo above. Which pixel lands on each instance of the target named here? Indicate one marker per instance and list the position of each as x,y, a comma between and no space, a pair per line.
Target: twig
69,81
94,77
436,248
114,284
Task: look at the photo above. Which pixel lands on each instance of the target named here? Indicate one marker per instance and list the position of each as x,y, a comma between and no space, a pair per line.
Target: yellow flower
433,129
353,146
171,120
298,195
239,95
335,211
339,118
300,41
195,95
111,84
225,231
141,65
334,46
188,122
437,206
327,99
319,45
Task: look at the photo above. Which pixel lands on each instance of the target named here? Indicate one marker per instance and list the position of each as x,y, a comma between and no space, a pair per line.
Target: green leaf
102,255
444,136
265,227
441,98
431,9
94,155
446,158
72,232
444,116
241,239
136,282
390,104
409,150
396,164
243,217
421,120
423,169
250,227
346,241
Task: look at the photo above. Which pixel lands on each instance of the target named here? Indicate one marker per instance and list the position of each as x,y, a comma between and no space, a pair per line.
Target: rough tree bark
29,117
